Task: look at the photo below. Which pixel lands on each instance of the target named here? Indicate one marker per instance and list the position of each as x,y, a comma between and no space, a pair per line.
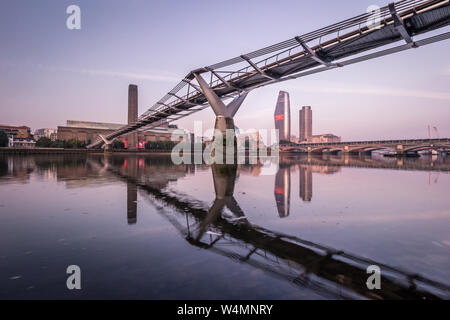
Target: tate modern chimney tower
283,116
132,114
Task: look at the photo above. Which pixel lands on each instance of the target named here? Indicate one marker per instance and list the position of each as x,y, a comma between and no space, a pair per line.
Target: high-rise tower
283,116
132,114
305,125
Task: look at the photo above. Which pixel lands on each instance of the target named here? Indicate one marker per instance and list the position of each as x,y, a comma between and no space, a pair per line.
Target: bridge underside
424,148
314,52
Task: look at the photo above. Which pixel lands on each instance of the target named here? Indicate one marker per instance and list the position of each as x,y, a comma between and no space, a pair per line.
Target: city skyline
165,150
82,74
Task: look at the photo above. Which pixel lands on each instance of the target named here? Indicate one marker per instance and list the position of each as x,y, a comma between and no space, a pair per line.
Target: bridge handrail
383,14
176,102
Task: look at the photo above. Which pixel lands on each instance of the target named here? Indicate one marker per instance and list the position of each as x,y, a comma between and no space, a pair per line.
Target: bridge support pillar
108,144
224,113
399,149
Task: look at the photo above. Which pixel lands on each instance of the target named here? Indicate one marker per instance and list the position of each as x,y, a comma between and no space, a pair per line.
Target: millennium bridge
397,27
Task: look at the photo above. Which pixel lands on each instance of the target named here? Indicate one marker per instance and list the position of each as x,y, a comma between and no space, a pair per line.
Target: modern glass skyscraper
283,116
305,128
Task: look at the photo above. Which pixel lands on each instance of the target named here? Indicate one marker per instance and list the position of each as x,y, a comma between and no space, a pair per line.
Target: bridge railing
274,52
186,97
291,48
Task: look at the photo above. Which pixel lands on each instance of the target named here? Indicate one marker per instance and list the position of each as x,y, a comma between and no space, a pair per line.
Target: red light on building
141,145
279,117
279,190
125,143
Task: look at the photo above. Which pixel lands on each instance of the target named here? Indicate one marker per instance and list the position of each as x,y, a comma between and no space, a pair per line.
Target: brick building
89,132
16,132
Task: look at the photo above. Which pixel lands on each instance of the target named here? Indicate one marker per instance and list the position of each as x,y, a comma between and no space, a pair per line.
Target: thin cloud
351,89
130,75
97,73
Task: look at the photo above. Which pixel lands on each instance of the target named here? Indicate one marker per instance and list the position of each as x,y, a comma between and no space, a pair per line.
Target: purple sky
49,74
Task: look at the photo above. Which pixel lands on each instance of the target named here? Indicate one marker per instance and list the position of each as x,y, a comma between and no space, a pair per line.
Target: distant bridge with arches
400,147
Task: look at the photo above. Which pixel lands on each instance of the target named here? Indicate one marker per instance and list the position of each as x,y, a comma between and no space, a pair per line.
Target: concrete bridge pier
348,151
399,149
108,144
224,113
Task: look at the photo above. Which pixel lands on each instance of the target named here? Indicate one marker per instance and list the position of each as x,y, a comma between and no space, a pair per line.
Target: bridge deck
313,52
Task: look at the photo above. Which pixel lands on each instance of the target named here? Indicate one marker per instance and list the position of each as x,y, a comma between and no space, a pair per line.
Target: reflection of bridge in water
400,147
224,229
329,272
426,163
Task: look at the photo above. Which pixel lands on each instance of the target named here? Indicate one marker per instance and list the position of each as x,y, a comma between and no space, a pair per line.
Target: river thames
140,227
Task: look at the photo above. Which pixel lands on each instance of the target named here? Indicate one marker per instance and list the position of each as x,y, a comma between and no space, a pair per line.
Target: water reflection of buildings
305,264
329,272
154,171
283,190
305,177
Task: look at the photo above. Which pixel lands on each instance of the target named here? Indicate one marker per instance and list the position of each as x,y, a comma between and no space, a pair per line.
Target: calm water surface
141,227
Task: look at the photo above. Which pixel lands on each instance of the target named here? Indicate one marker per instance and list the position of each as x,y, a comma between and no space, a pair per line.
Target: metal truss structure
364,37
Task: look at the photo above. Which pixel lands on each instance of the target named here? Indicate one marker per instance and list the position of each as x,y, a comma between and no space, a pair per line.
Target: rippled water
141,227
